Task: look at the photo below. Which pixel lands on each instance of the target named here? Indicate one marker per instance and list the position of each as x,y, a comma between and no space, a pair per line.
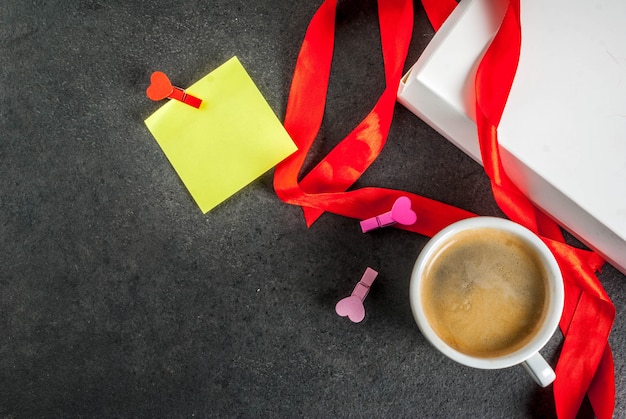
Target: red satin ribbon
585,365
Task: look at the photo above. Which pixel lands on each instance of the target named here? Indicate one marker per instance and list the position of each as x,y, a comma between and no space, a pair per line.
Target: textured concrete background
118,298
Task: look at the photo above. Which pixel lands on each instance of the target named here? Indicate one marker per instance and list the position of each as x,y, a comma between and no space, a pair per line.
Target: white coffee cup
527,355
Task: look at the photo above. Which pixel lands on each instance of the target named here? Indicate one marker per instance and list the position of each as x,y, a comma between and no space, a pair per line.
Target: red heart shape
160,86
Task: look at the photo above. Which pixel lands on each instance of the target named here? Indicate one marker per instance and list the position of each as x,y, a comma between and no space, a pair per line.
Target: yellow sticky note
230,141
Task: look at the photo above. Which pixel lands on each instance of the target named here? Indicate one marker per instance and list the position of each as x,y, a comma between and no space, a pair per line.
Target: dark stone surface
118,298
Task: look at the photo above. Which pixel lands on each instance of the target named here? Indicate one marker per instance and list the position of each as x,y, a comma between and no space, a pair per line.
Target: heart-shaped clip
161,88
400,213
352,306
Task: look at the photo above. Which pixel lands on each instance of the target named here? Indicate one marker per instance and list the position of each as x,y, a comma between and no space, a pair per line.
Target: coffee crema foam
485,293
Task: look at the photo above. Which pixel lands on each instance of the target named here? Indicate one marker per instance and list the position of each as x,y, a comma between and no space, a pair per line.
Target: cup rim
556,292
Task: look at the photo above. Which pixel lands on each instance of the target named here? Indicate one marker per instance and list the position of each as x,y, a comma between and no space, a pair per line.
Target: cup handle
539,370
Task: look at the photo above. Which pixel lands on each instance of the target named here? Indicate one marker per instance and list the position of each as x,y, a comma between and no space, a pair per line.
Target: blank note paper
230,141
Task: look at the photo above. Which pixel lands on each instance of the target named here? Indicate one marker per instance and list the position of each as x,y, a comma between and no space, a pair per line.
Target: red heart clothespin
161,88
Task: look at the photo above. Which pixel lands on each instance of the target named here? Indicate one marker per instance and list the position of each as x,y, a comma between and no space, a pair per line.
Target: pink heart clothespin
161,88
352,306
400,213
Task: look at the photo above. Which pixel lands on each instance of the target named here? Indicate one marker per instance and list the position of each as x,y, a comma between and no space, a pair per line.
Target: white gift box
563,132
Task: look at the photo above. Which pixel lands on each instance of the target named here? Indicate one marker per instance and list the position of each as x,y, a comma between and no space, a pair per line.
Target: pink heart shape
401,211
160,86
352,307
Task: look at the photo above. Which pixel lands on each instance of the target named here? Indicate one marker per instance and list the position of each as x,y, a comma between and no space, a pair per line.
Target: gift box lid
563,132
